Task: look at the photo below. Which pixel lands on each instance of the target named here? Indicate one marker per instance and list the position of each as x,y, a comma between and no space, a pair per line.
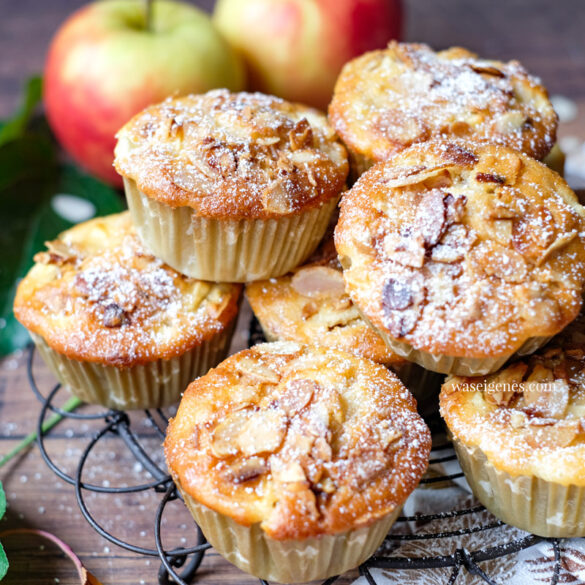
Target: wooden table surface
549,38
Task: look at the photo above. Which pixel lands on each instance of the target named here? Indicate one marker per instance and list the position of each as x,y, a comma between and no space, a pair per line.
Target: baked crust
310,306
305,441
386,100
529,418
464,250
97,295
233,155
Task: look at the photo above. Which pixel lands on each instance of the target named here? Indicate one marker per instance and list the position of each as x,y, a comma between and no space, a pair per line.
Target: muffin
231,187
462,255
520,437
386,100
295,461
310,306
115,324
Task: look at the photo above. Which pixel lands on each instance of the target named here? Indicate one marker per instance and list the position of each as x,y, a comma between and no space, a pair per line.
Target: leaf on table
39,198
15,127
3,559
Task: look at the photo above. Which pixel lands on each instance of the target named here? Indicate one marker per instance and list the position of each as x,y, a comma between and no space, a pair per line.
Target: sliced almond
548,399
290,472
321,451
316,281
257,370
275,198
502,231
518,419
562,241
223,437
405,176
559,435
406,250
244,470
431,216
301,136
263,432
297,394
388,434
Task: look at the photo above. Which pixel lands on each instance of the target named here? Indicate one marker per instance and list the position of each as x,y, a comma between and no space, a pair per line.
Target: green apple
105,64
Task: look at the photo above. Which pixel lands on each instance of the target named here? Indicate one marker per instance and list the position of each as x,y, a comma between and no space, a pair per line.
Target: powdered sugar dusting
99,295
318,440
387,100
242,155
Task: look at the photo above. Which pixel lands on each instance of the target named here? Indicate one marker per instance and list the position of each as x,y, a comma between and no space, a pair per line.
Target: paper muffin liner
533,504
155,384
424,385
460,366
226,250
288,561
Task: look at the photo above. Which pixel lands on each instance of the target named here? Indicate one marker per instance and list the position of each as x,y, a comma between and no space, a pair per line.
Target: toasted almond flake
297,394
559,435
255,369
403,177
223,437
263,432
548,399
316,281
244,470
502,231
290,472
557,245
518,419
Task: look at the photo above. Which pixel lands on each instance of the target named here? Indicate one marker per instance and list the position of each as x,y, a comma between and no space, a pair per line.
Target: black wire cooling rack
180,564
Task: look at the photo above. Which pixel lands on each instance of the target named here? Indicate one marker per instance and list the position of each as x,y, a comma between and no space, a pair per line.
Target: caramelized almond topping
315,281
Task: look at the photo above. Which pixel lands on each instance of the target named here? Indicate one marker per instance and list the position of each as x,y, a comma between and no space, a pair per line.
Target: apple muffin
520,437
231,186
462,255
386,100
116,325
295,461
310,306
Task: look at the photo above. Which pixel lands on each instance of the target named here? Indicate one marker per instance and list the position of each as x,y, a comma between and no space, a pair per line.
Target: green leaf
3,559
15,128
36,203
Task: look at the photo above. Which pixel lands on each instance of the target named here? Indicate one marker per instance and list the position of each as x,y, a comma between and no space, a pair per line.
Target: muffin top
233,155
310,305
304,441
387,100
97,295
463,250
529,418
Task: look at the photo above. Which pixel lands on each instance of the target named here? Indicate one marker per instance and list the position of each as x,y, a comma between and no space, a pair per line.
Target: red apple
104,65
296,48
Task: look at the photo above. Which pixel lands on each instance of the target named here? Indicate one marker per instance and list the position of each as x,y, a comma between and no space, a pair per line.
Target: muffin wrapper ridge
539,506
224,250
152,385
288,561
459,366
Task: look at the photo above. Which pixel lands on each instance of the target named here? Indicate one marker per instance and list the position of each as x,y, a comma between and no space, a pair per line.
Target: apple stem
148,15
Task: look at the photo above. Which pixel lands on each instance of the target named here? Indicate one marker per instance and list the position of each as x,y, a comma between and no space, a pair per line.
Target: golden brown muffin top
529,418
310,306
97,295
387,100
463,250
233,155
304,441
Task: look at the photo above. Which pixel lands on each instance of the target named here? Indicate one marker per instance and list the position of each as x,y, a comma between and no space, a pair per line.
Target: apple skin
295,48
103,67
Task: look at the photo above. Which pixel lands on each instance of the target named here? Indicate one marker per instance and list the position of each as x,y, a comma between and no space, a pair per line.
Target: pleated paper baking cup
155,384
225,250
460,366
288,561
423,384
542,507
